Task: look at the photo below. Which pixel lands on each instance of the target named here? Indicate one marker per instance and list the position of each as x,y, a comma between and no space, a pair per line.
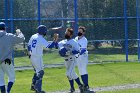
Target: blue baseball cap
2,25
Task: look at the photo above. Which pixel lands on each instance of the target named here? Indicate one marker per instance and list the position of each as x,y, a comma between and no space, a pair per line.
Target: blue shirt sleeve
75,52
29,47
83,51
56,45
53,44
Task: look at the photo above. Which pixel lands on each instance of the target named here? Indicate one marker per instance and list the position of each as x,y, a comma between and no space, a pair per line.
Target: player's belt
66,59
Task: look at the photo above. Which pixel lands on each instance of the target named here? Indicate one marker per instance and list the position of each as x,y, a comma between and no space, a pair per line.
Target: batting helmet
2,26
42,30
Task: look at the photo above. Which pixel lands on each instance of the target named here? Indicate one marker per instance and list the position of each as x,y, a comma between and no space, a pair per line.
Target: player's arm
29,47
83,47
18,38
46,44
76,48
62,50
83,50
54,44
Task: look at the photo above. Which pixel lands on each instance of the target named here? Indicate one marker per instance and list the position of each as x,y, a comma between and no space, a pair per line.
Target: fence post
39,16
76,16
138,28
11,24
126,29
11,15
5,12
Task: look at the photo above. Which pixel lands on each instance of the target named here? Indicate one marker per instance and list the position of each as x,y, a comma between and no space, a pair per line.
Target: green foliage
108,29
96,29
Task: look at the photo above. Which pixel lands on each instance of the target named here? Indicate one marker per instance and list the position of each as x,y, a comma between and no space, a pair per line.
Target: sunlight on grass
100,75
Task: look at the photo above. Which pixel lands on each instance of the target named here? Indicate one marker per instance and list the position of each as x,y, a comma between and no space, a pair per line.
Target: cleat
87,90
40,91
72,90
33,88
81,88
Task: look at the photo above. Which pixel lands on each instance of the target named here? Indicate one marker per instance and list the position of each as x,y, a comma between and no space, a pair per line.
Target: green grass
104,54
100,75
54,58
111,54
51,58
110,57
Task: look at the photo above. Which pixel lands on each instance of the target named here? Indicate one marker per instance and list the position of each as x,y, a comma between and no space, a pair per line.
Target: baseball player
7,41
82,60
69,49
35,49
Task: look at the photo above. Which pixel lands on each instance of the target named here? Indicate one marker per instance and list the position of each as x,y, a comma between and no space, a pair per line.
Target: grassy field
100,75
54,58
100,55
50,58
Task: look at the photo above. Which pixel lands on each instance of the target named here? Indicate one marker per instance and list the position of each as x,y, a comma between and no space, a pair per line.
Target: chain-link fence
112,26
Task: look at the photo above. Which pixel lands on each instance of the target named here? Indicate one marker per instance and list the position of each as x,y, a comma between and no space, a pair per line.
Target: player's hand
56,37
29,54
18,31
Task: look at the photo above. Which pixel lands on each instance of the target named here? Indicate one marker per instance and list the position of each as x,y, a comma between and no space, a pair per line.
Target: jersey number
34,43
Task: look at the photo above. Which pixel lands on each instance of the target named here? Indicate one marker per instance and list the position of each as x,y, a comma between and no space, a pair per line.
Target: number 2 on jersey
34,43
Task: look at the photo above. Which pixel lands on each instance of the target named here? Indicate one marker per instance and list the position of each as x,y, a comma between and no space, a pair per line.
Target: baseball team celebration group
72,49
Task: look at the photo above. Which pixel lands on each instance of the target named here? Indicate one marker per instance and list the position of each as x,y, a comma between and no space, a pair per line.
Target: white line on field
113,88
110,88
